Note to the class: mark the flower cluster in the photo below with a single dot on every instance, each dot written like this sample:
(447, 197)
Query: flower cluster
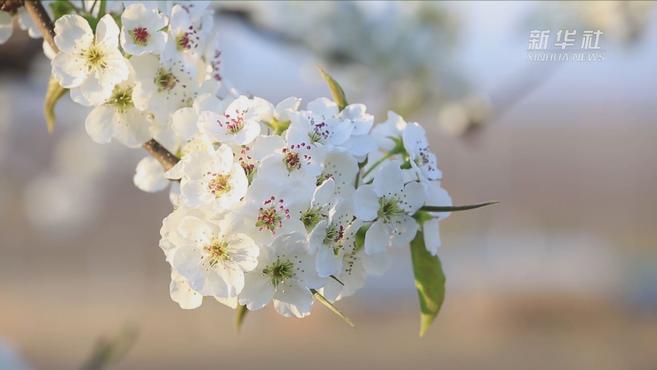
(276, 201)
(136, 73)
(272, 203)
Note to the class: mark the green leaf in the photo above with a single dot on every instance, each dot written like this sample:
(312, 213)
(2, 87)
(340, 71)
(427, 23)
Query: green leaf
(455, 208)
(102, 9)
(336, 90)
(321, 299)
(241, 314)
(359, 243)
(55, 91)
(110, 350)
(429, 281)
(422, 217)
(60, 8)
(93, 21)
(278, 126)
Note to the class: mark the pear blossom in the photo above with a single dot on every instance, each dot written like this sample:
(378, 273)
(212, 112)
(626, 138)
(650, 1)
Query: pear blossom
(324, 124)
(300, 162)
(211, 178)
(184, 34)
(239, 124)
(119, 118)
(285, 274)
(91, 65)
(149, 176)
(181, 293)
(141, 30)
(184, 121)
(390, 204)
(25, 22)
(269, 211)
(319, 124)
(209, 255)
(328, 239)
(189, 299)
(249, 156)
(342, 168)
(417, 147)
(356, 267)
(285, 107)
(322, 201)
(271, 203)
(163, 85)
(360, 142)
(387, 132)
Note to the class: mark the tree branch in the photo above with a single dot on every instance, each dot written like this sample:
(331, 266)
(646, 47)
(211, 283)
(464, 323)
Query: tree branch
(165, 157)
(43, 21)
(41, 18)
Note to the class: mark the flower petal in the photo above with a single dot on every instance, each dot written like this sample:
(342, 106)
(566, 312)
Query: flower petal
(72, 32)
(431, 231)
(99, 124)
(107, 32)
(149, 176)
(377, 238)
(69, 70)
(257, 292)
(366, 203)
(292, 300)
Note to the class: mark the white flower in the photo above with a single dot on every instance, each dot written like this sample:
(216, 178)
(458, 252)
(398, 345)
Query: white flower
(285, 273)
(163, 85)
(196, 9)
(184, 121)
(209, 255)
(356, 266)
(342, 168)
(360, 142)
(297, 162)
(390, 204)
(249, 156)
(324, 198)
(270, 210)
(6, 26)
(386, 132)
(319, 124)
(285, 107)
(420, 156)
(141, 30)
(94, 65)
(149, 175)
(162, 6)
(212, 178)
(181, 293)
(324, 124)
(239, 123)
(436, 196)
(117, 117)
(26, 23)
(330, 237)
(184, 35)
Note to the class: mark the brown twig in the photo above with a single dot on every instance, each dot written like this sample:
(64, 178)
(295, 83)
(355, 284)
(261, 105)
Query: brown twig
(165, 157)
(43, 21)
(41, 18)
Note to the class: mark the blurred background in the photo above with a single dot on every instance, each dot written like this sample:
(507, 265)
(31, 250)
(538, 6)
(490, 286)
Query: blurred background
(562, 274)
